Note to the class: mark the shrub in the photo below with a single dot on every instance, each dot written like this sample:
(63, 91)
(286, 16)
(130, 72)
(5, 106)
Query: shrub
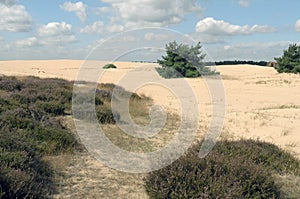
(108, 66)
(183, 61)
(10, 84)
(240, 169)
(30, 129)
(23, 173)
(54, 108)
(290, 60)
(106, 116)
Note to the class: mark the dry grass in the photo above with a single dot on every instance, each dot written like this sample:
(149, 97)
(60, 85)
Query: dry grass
(290, 184)
(82, 176)
(85, 177)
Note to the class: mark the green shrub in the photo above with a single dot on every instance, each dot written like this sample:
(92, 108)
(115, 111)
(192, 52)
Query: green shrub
(241, 169)
(108, 66)
(290, 60)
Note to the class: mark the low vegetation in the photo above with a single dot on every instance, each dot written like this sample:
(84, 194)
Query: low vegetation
(32, 127)
(234, 169)
(108, 66)
(32, 112)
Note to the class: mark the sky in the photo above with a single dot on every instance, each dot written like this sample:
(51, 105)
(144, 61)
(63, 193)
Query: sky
(227, 29)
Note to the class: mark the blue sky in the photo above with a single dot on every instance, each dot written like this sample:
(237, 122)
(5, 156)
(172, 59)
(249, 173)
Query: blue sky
(228, 29)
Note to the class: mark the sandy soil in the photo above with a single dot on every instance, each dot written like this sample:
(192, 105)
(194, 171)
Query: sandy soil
(260, 103)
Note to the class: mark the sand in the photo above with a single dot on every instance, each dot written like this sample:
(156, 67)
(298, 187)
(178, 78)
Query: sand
(260, 103)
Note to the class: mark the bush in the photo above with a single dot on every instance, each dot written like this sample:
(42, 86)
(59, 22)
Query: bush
(31, 128)
(183, 61)
(10, 84)
(54, 108)
(290, 60)
(23, 173)
(108, 66)
(241, 169)
(106, 116)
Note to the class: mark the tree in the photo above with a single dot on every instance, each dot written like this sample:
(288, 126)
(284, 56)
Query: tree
(182, 61)
(290, 61)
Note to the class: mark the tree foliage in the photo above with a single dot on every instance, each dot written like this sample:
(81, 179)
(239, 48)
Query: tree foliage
(290, 61)
(182, 61)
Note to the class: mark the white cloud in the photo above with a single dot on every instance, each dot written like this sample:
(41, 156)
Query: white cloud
(98, 27)
(79, 8)
(115, 28)
(137, 13)
(28, 42)
(256, 51)
(207, 38)
(102, 10)
(150, 36)
(227, 47)
(56, 33)
(244, 3)
(14, 18)
(55, 28)
(8, 2)
(297, 26)
(219, 27)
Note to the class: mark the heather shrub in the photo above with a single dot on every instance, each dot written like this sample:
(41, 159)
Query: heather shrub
(31, 127)
(23, 173)
(234, 169)
(10, 84)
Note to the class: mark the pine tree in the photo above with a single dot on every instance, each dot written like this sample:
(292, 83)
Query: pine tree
(182, 60)
(290, 61)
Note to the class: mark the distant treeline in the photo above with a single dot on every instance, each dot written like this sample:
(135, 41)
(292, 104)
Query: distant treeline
(236, 62)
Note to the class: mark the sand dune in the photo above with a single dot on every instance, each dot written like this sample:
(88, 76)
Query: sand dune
(260, 102)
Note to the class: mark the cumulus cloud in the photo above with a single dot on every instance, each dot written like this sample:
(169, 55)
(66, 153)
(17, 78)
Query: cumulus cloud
(244, 3)
(8, 2)
(150, 36)
(256, 51)
(98, 27)
(28, 42)
(219, 27)
(297, 26)
(79, 8)
(14, 18)
(56, 33)
(115, 28)
(54, 28)
(136, 13)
